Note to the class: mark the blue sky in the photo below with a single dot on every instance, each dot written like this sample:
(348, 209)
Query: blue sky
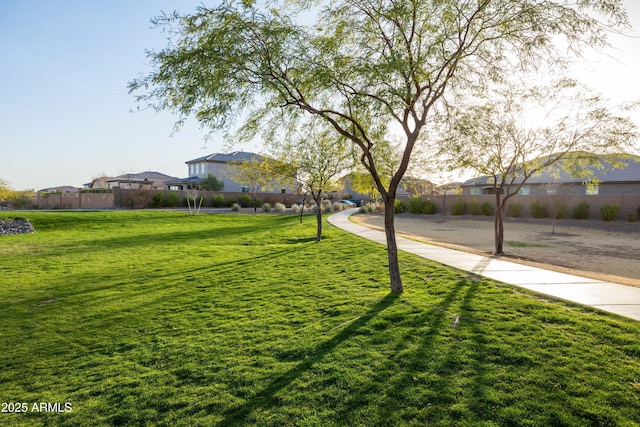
(65, 110)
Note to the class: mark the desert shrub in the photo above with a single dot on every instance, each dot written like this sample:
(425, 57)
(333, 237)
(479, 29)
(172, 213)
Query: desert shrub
(156, 201)
(266, 207)
(337, 207)
(366, 208)
(581, 211)
(474, 207)
(419, 206)
(631, 217)
(295, 208)
(244, 201)
(609, 212)
(279, 207)
(514, 210)
(217, 201)
(487, 209)
(399, 207)
(459, 207)
(167, 199)
(539, 210)
(235, 207)
(326, 205)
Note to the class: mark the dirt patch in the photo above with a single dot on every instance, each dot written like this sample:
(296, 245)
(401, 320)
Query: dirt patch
(595, 249)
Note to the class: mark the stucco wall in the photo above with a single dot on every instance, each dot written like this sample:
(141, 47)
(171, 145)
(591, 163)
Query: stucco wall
(74, 201)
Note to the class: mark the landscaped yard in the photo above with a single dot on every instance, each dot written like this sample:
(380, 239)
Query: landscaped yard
(156, 318)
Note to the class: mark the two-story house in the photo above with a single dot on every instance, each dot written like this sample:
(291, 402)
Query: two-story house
(225, 167)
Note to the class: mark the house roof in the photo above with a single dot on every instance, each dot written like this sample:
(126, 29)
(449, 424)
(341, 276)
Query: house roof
(236, 156)
(606, 174)
(179, 181)
(141, 176)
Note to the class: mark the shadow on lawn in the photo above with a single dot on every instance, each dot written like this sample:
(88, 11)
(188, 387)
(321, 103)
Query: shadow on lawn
(265, 398)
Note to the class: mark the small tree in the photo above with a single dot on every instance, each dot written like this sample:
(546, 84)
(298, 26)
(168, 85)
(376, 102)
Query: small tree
(558, 196)
(495, 136)
(311, 156)
(256, 173)
(211, 183)
(194, 201)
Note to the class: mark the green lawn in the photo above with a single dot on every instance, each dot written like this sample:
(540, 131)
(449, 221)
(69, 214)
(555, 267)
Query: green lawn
(156, 318)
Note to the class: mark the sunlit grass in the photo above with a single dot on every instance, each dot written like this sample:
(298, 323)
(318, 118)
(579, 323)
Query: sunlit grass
(155, 318)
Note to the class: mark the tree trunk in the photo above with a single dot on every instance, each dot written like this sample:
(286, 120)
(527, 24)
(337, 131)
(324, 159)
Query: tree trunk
(304, 200)
(392, 246)
(498, 225)
(319, 217)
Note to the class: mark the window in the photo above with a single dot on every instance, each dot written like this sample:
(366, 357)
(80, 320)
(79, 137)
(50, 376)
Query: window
(283, 190)
(476, 190)
(592, 189)
(245, 189)
(525, 190)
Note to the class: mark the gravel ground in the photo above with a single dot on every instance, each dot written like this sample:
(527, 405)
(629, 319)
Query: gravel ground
(603, 250)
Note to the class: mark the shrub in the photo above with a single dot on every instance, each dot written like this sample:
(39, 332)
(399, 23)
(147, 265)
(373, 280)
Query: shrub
(419, 206)
(474, 207)
(279, 207)
(217, 201)
(399, 207)
(514, 210)
(168, 199)
(430, 207)
(459, 207)
(245, 201)
(295, 208)
(631, 217)
(609, 212)
(366, 208)
(326, 206)
(539, 210)
(581, 211)
(638, 211)
(235, 207)
(337, 207)
(487, 209)
(266, 207)
(156, 202)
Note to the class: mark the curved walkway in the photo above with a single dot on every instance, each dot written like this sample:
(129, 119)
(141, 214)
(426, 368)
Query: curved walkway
(611, 297)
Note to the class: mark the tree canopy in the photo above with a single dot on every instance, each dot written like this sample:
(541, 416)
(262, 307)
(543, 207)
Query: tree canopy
(373, 70)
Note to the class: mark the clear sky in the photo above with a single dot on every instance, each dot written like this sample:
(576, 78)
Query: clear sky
(65, 113)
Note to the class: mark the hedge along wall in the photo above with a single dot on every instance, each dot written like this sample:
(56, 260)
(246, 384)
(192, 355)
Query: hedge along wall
(628, 203)
(127, 199)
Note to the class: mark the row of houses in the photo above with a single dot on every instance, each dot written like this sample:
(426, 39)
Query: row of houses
(607, 180)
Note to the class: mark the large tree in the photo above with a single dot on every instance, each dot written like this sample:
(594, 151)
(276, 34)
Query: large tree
(371, 69)
(516, 132)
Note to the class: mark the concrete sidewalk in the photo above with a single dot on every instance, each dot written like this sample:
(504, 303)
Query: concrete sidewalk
(611, 297)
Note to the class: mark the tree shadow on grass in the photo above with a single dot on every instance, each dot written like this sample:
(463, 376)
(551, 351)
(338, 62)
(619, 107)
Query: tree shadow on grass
(264, 399)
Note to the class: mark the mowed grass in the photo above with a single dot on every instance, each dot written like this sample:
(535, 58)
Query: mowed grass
(157, 318)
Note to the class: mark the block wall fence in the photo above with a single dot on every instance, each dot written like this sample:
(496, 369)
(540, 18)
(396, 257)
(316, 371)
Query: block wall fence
(122, 199)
